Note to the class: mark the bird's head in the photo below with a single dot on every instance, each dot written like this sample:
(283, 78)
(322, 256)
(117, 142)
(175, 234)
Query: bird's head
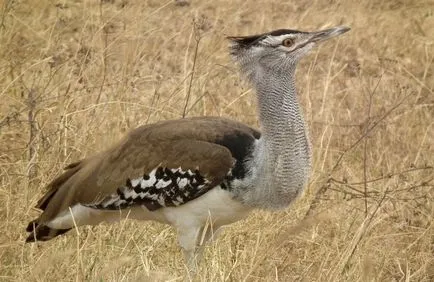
(278, 50)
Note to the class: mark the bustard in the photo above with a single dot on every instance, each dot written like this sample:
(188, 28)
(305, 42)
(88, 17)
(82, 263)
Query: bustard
(193, 171)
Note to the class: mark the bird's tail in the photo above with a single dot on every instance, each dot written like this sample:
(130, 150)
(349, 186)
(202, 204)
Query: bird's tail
(40, 232)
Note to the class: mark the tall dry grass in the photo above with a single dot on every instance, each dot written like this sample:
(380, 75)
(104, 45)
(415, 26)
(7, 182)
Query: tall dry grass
(76, 75)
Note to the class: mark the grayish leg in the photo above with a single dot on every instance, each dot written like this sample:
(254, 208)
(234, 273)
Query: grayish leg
(188, 242)
(193, 242)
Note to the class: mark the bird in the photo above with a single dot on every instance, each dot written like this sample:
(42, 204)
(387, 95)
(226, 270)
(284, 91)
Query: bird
(197, 172)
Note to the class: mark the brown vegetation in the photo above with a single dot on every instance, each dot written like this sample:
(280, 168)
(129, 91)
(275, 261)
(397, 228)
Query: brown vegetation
(76, 75)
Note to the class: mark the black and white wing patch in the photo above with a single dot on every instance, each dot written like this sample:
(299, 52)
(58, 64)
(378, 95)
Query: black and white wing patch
(162, 187)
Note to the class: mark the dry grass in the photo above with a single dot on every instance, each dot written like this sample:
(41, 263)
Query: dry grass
(76, 75)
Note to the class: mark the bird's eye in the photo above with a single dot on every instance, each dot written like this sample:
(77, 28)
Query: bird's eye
(288, 42)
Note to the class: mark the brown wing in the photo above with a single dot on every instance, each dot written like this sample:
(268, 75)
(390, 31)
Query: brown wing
(190, 169)
(188, 144)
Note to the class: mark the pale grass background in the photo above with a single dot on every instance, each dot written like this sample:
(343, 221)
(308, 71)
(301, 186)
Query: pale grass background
(77, 75)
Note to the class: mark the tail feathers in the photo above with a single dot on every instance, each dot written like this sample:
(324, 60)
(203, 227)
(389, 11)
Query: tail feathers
(32, 225)
(42, 232)
(55, 185)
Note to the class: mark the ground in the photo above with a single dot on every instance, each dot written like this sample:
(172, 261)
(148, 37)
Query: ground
(77, 75)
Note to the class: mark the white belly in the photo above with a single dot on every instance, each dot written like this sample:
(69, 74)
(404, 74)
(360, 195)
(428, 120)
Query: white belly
(216, 206)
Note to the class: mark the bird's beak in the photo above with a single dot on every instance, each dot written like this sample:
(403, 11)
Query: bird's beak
(328, 33)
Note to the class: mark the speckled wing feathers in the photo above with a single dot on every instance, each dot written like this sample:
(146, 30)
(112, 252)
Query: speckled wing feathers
(162, 187)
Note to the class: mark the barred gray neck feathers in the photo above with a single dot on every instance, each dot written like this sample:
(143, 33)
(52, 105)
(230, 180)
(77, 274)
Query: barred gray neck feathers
(282, 158)
(246, 60)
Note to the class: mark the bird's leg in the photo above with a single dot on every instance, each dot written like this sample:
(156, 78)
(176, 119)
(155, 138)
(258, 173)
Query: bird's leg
(193, 244)
(188, 240)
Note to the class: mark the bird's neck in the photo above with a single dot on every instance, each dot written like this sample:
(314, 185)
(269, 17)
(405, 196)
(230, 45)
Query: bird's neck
(282, 156)
(280, 114)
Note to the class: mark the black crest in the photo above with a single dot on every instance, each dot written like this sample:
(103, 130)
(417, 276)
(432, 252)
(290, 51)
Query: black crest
(244, 41)
(247, 41)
